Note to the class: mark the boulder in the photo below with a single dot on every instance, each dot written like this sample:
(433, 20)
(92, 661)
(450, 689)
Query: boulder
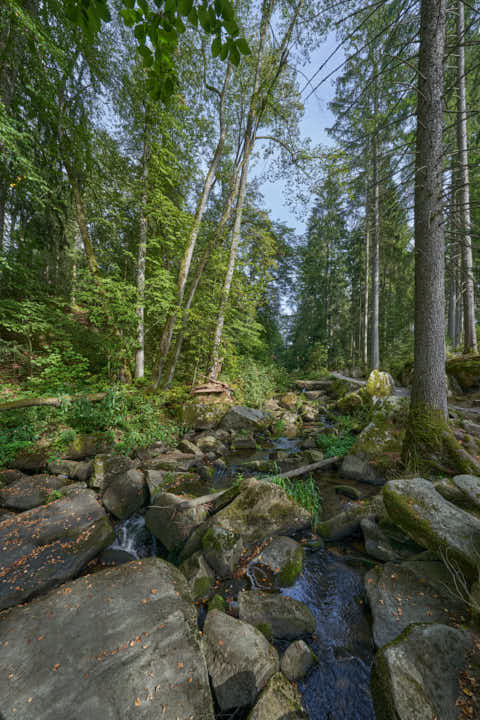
(309, 413)
(385, 542)
(287, 424)
(175, 461)
(8, 476)
(356, 467)
(470, 486)
(262, 509)
(48, 545)
(188, 447)
(203, 415)
(280, 700)
(122, 642)
(199, 574)
(245, 418)
(347, 522)
(169, 523)
(243, 442)
(380, 384)
(276, 615)
(126, 494)
(417, 592)
(348, 491)
(210, 443)
(30, 491)
(155, 479)
(290, 401)
(434, 523)
(281, 560)
(222, 549)
(85, 446)
(32, 461)
(79, 471)
(240, 660)
(106, 468)
(297, 661)
(416, 677)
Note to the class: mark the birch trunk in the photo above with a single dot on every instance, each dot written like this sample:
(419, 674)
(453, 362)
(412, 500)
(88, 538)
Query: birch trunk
(469, 333)
(166, 338)
(142, 258)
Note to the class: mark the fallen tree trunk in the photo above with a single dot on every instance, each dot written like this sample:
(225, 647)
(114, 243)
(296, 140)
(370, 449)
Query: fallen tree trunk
(52, 401)
(309, 468)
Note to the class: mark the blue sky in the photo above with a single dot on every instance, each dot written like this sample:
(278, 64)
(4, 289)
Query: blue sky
(317, 118)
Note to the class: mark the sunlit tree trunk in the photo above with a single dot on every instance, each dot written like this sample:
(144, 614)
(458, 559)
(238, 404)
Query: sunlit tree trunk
(142, 257)
(469, 334)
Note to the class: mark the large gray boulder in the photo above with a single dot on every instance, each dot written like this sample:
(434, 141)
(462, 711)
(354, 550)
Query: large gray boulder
(240, 660)
(278, 616)
(470, 486)
(434, 523)
(169, 523)
(415, 592)
(280, 700)
(356, 467)
(385, 542)
(126, 494)
(262, 509)
(48, 545)
(245, 418)
(121, 643)
(79, 471)
(106, 468)
(222, 549)
(416, 677)
(175, 461)
(30, 491)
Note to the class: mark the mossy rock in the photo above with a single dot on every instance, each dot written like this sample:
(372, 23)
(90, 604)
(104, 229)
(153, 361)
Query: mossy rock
(281, 562)
(217, 603)
(203, 415)
(199, 575)
(278, 701)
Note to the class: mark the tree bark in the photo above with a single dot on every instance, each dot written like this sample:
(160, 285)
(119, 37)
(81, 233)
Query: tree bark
(142, 256)
(469, 334)
(367, 280)
(429, 388)
(167, 334)
(374, 332)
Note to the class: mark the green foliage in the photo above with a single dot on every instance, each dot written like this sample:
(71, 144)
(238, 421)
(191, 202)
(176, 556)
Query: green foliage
(254, 382)
(304, 492)
(128, 419)
(333, 444)
(52, 496)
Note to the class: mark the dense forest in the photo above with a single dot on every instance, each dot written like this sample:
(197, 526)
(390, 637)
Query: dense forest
(184, 376)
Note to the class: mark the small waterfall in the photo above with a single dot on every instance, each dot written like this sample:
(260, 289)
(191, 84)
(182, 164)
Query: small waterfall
(133, 540)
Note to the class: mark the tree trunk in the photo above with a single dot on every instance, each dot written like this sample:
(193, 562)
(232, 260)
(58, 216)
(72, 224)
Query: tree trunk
(374, 334)
(142, 257)
(469, 335)
(198, 275)
(452, 310)
(166, 338)
(428, 408)
(367, 282)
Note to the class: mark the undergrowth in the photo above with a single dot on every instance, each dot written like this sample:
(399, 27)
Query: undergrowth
(304, 492)
(128, 419)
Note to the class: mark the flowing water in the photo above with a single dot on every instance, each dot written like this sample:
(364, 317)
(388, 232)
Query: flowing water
(338, 687)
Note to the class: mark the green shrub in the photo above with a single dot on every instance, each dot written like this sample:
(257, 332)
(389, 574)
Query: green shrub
(304, 492)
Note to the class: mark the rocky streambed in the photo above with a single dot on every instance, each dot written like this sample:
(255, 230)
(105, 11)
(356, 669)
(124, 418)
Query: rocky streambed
(166, 585)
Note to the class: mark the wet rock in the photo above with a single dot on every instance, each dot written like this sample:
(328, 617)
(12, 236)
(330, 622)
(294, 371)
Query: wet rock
(30, 491)
(415, 592)
(222, 549)
(283, 559)
(417, 676)
(276, 615)
(79, 471)
(347, 522)
(245, 418)
(106, 468)
(128, 647)
(262, 510)
(199, 574)
(126, 494)
(297, 661)
(348, 491)
(48, 545)
(169, 523)
(431, 521)
(385, 542)
(280, 700)
(240, 661)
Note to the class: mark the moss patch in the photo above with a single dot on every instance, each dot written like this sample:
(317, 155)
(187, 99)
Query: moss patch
(292, 569)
